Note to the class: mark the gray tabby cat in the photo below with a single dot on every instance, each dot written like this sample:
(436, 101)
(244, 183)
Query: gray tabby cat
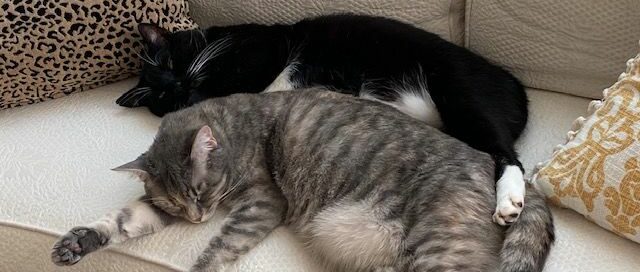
(367, 188)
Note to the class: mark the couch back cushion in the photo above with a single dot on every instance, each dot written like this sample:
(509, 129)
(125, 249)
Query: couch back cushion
(572, 46)
(443, 17)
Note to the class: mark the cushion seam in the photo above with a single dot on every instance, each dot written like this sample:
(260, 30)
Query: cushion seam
(54, 234)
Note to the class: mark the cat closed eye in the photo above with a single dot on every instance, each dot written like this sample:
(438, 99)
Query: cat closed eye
(195, 83)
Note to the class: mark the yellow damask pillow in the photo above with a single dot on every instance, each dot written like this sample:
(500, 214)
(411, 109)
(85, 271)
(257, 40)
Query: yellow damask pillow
(597, 173)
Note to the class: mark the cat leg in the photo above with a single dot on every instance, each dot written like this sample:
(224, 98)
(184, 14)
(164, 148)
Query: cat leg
(491, 134)
(136, 219)
(363, 235)
(510, 191)
(252, 217)
(509, 173)
(283, 81)
(471, 124)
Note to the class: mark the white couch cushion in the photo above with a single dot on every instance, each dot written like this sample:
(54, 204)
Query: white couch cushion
(56, 156)
(572, 46)
(443, 17)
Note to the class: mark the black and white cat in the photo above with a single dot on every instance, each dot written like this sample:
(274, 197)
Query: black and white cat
(414, 71)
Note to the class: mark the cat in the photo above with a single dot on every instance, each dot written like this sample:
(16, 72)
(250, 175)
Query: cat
(415, 71)
(363, 185)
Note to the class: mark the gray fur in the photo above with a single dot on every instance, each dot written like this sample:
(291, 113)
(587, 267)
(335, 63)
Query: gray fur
(367, 187)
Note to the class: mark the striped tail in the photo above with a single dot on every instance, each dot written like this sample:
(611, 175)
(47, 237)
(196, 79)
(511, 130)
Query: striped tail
(527, 242)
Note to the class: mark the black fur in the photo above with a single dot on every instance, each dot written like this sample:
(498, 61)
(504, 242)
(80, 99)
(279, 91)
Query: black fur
(479, 103)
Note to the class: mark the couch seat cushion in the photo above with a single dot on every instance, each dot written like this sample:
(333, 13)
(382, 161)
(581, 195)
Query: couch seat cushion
(56, 156)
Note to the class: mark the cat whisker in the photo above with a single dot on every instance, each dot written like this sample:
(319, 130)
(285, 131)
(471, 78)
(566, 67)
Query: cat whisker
(226, 193)
(126, 97)
(141, 89)
(240, 181)
(156, 60)
(144, 56)
(191, 39)
(157, 199)
(146, 59)
(135, 92)
(202, 76)
(204, 37)
(140, 98)
(210, 52)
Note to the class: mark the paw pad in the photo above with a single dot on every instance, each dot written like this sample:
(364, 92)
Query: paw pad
(508, 211)
(74, 245)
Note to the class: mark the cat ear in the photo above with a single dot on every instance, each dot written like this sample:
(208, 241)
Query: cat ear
(202, 145)
(137, 167)
(153, 34)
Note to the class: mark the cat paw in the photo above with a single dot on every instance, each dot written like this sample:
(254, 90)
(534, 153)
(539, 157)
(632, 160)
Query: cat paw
(508, 210)
(510, 190)
(75, 244)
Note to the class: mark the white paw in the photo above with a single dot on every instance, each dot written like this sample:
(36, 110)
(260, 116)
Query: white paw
(508, 210)
(510, 191)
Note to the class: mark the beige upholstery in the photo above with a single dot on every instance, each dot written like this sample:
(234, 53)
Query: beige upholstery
(56, 158)
(444, 17)
(571, 46)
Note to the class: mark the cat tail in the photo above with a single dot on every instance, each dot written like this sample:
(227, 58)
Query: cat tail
(527, 242)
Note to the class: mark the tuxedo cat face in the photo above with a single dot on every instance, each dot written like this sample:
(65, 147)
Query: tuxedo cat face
(173, 66)
(185, 177)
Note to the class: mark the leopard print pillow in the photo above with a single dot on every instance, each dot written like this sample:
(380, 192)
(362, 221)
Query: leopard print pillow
(49, 49)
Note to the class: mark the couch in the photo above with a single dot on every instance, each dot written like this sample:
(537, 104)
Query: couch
(55, 156)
